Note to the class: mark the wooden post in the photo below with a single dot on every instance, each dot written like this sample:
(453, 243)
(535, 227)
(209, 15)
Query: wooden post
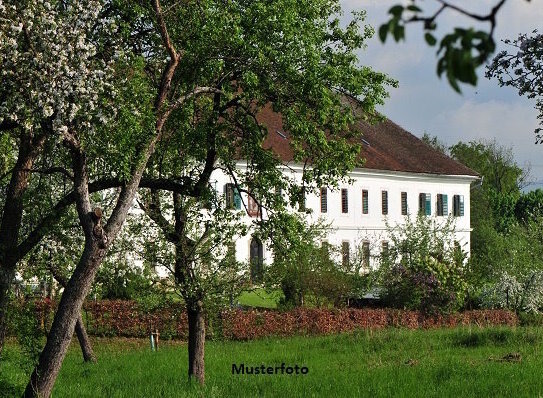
(156, 336)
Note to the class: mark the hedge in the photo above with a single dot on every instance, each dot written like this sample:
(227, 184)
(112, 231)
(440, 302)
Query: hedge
(126, 318)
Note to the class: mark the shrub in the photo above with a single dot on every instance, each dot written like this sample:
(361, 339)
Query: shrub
(518, 293)
(423, 270)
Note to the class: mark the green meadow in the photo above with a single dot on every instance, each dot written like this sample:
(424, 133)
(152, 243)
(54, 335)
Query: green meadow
(463, 362)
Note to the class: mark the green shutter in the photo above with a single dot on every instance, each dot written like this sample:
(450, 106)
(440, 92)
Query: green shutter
(428, 204)
(445, 205)
(237, 199)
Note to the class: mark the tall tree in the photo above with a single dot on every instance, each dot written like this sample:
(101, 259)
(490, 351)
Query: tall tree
(46, 80)
(282, 58)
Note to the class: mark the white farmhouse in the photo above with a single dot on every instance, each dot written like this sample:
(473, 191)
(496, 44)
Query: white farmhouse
(401, 176)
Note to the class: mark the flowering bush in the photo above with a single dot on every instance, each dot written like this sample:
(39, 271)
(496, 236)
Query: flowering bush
(518, 293)
(423, 269)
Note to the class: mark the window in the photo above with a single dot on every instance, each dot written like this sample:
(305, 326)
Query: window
(256, 259)
(458, 205)
(442, 206)
(425, 204)
(384, 249)
(344, 201)
(345, 253)
(404, 203)
(232, 197)
(384, 202)
(301, 201)
(366, 254)
(365, 204)
(324, 200)
(253, 209)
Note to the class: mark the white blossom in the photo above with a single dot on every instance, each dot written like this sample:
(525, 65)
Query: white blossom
(48, 65)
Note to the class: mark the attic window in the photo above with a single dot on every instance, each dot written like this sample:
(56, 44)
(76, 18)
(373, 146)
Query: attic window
(281, 134)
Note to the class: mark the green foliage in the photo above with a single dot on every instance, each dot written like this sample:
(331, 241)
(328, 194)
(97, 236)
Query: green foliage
(305, 270)
(464, 50)
(495, 163)
(118, 279)
(435, 143)
(529, 206)
(423, 269)
(28, 331)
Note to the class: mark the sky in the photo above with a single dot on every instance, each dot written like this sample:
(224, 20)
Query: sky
(425, 103)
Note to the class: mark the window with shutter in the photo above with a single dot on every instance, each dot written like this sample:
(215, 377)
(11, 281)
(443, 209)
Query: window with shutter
(425, 204)
(366, 254)
(256, 260)
(384, 202)
(404, 203)
(384, 249)
(365, 200)
(439, 204)
(301, 202)
(324, 200)
(458, 205)
(344, 200)
(232, 197)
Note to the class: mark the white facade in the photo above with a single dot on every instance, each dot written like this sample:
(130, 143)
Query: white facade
(354, 226)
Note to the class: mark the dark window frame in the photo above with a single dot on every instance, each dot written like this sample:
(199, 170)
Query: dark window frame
(344, 201)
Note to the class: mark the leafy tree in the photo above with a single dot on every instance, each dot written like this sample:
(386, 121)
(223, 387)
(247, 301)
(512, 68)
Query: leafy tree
(47, 80)
(279, 57)
(435, 143)
(522, 70)
(461, 51)
(499, 189)
(529, 206)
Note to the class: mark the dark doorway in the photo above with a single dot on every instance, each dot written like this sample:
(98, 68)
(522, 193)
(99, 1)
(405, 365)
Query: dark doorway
(256, 259)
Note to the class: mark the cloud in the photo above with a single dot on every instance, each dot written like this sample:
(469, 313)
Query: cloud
(511, 124)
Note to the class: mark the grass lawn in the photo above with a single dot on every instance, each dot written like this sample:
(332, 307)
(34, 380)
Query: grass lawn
(260, 298)
(439, 363)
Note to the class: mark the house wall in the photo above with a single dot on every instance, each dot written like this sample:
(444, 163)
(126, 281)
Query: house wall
(354, 226)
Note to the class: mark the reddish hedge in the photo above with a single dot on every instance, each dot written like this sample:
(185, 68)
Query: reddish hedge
(247, 325)
(126, 318)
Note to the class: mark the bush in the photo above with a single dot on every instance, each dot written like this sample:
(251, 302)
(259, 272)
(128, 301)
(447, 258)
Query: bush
(519, 293)
(423, 270)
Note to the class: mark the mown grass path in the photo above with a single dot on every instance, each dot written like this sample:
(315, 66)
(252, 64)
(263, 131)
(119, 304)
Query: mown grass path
(463, 362)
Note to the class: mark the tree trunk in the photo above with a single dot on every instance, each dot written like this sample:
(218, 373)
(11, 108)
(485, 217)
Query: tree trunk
(80, 331)
(46, 371)
(10, 223)
(6, 278)
(197, 337)
(84, 342)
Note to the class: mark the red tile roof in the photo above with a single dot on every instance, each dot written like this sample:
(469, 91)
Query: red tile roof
(385, 146)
